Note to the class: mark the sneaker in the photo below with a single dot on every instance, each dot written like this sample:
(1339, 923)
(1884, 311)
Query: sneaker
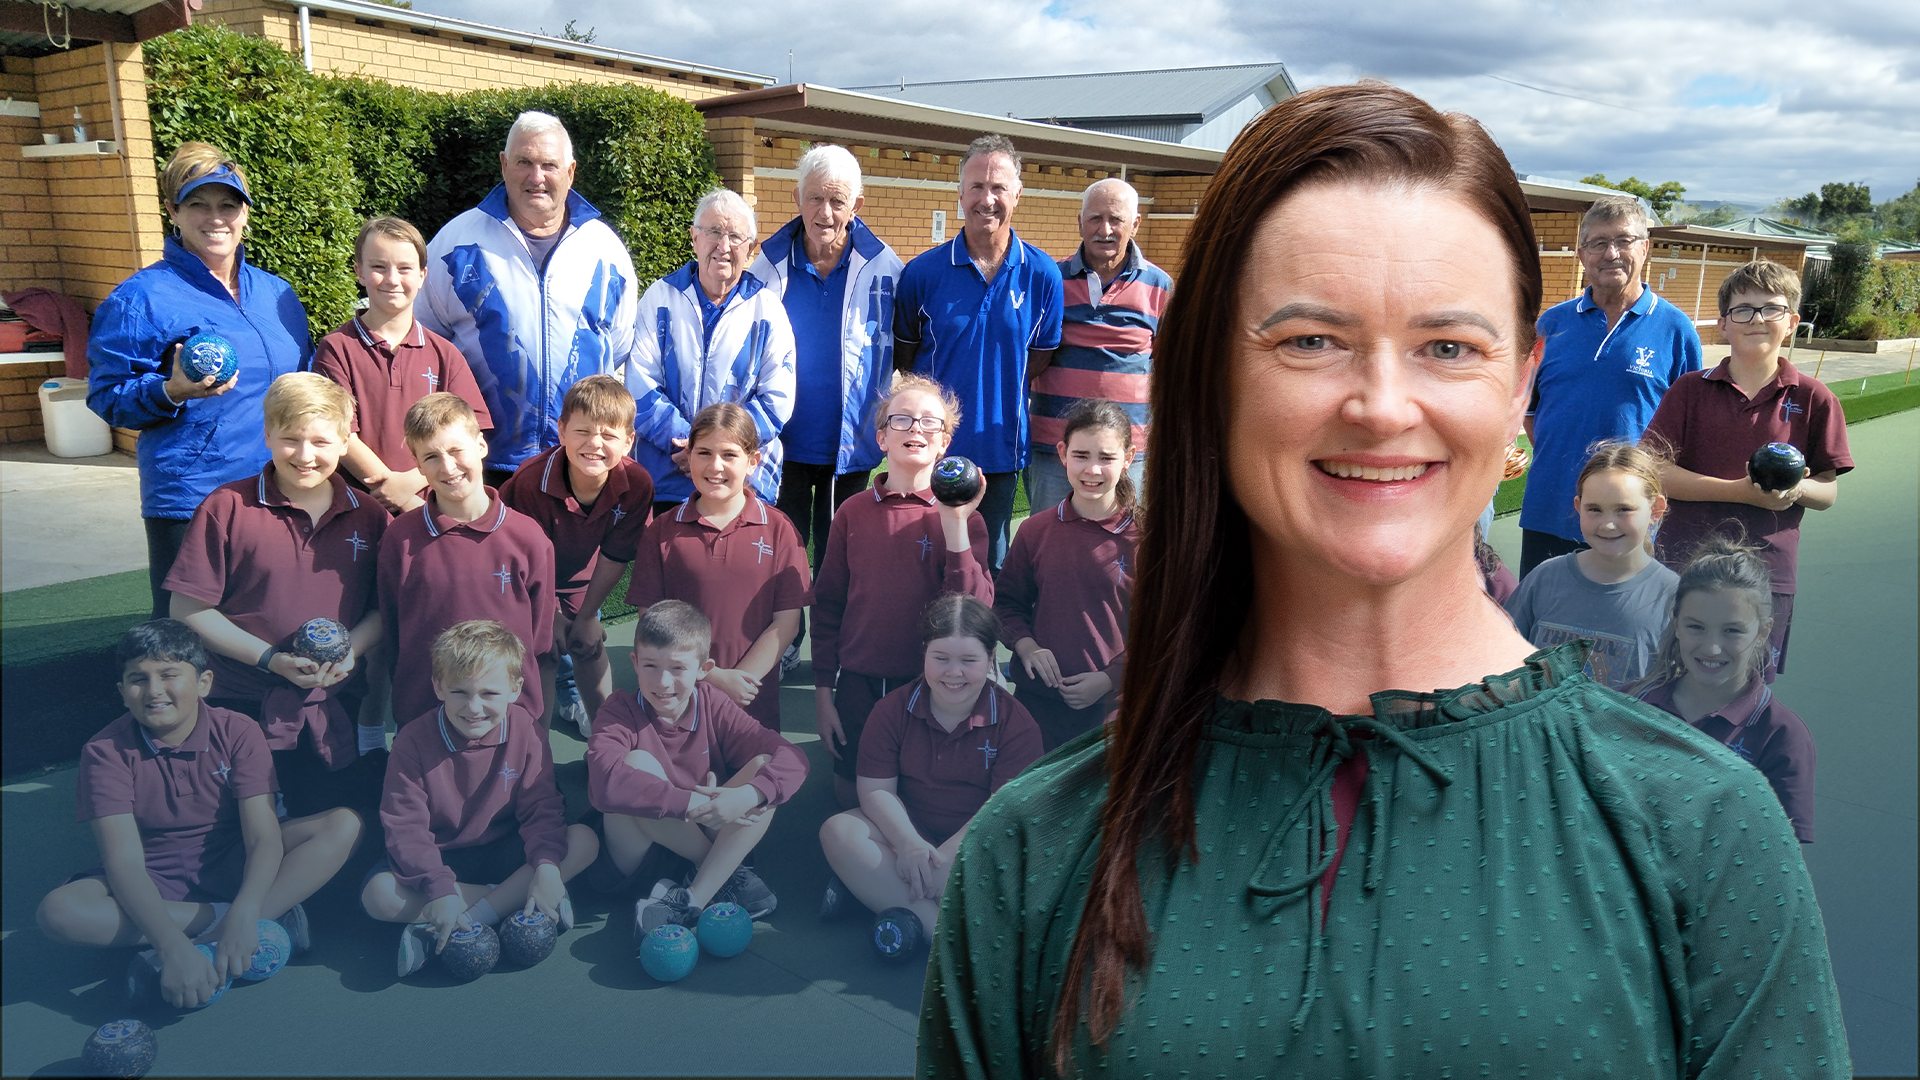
(566, 914)
(416, 944)
(299, 931)
(746, 889)
(789, 660)
(143, 978)
(575, 712)
(836, 900)
(673, 905)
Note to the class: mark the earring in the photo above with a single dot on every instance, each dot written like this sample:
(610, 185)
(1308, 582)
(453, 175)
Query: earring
(1517, 461)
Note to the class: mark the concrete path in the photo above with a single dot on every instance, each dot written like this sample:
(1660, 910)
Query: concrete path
(63, 519)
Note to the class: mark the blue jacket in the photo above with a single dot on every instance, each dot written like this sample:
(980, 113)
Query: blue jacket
(866, 331)
(187, 450)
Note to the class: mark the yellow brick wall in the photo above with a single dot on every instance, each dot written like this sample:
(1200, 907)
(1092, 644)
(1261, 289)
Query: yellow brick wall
(20, 397)
(1676, 273)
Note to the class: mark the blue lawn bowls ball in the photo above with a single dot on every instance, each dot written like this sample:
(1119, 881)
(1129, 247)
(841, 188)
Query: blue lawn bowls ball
(209, 354)
(956, 481)
(527, 938)
(1777, 466)
(212, 956)
(669, 952)
(322, 641)
(471, 953)
(725, 929)
(120, 1048)
(898, 934)
(271, 954)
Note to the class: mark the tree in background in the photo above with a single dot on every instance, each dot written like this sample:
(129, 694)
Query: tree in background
(1660, 198)
(1830, 208)
(1900, 216)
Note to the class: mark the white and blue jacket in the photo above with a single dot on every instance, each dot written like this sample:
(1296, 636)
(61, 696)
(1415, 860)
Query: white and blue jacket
(529, 334)
(866, 331)
(674, 373)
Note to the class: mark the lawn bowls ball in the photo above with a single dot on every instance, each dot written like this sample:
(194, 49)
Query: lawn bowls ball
(528, 938)
(120, 1048)
(322, 641)
(725, 929)
(143, 979)
(1777, 466)
(669, 952)
(271, 954)
(209, 354)
(956, 481)
(897, 933)
(471, 953)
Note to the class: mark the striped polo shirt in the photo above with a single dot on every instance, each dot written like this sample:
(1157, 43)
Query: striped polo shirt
(1106, 344)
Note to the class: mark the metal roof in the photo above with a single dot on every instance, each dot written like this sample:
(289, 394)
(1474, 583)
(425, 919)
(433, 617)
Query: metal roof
(1721, 236)
(35, 29)
(1766, 226)
(1186, 95)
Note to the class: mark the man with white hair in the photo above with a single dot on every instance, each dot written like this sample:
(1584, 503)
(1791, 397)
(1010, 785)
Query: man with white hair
(709, 332)
(1112, 300)
(534, 289)
(836, 280)
(1608, 356)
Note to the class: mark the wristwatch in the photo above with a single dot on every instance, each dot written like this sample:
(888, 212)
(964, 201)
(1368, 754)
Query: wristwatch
(265, 663)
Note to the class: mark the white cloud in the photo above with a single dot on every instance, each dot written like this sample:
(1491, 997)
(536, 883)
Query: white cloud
(1750, 101)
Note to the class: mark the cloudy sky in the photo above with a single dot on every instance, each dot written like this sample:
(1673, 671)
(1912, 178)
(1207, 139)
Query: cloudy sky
(1746, 101)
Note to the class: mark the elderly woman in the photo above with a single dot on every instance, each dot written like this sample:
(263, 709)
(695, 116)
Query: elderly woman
(1286, 859)
(194, 435)
(710, 332)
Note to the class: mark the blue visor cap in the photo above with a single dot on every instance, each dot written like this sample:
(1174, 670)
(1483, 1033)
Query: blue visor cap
(222, 175)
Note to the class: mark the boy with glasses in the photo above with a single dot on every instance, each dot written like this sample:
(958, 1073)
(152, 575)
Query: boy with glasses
(1710, 423)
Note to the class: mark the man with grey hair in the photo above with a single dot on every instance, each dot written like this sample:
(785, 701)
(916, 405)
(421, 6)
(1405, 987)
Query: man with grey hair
(1113, 298)
(534, 289)
(985, 306)
(1607, 356)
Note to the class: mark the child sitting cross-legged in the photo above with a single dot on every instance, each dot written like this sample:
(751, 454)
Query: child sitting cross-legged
(476, 827)
(654, 767)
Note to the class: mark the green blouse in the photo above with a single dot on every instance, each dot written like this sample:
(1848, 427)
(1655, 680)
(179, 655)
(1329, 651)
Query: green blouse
(1544, 878)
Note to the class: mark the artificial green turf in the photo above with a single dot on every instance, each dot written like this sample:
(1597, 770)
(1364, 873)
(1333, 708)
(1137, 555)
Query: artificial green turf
(49, 621)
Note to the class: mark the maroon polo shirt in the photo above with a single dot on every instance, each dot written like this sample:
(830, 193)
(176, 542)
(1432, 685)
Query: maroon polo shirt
(186, 798)
(1066, 584)
(1770, 736)
(444, 791)
(268, 567)
(1712, 429)
(715, 736)
(739, 576)
(540, 489)
(385, 380)
(946, 776)
(886, 560)
(435, 572)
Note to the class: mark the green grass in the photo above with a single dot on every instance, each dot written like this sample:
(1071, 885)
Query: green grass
(1876, 395)
(75, 616)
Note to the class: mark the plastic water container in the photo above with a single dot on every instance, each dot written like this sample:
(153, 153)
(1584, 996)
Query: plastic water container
(73, 430)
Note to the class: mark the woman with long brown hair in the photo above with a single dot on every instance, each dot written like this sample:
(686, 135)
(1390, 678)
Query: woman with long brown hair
(1281, 859)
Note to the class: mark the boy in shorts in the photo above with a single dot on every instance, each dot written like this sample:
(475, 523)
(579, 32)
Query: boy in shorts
(264, 555)
(180, 798)
(593, 501)
(463, 554)
(653, 768)
(475, 825)
(387, 360)
(1711, 422)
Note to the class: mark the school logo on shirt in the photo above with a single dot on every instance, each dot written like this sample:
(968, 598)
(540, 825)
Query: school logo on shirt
(1642, 361)
(765, 549)
(618, 513)
(505, 575)
(1018, 298)
(1790, 408)
(926, 545)
(359, 545)
(988, 752)
(507, 776)
(1120, 566)
(433, 380)
(221, 774)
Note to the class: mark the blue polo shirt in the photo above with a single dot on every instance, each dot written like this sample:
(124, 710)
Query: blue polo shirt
(974, 336)
(815, 308)
(1595, 384)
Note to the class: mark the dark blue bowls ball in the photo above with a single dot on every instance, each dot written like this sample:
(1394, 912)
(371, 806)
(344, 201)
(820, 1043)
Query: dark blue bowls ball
(322, 641)
(472, 953)
(120, 1048)
(956, 481)
(1777, 466)
(725, 929)
(272, 953)
(209, 354)
(526, 939)
(669, 952)
(898, 934)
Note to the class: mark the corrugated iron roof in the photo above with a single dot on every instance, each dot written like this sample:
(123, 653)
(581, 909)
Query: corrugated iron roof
(1188, 95)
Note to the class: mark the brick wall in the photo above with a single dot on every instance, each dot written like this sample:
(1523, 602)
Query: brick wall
(1676, 272)
(20, 397)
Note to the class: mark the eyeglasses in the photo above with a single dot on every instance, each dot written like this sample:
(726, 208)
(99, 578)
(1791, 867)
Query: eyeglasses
(903, 422)
(1745, 313)
(722, 236)
(1603, 245)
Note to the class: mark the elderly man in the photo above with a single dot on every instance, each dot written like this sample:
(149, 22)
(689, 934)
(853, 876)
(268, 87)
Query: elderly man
(836, 280)
(986, 305)
(537, 292)
(1113, 300)
(710, 331)
(1609, 355)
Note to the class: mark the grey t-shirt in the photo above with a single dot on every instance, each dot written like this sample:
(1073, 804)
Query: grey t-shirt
(1557, 603)
(542, 246)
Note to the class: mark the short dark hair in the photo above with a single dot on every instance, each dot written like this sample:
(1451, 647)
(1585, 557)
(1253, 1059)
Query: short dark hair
(1765, 277)
(161, 639)
(674, 624)
(992, 144)
(960, 615)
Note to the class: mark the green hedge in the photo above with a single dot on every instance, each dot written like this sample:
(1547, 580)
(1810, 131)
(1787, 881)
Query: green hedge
(324, 152)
